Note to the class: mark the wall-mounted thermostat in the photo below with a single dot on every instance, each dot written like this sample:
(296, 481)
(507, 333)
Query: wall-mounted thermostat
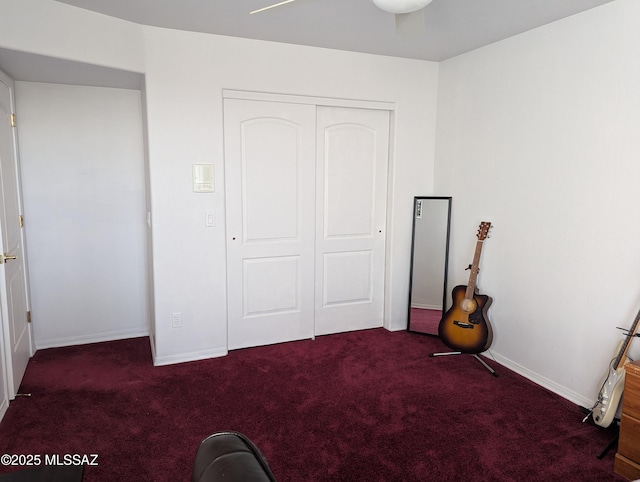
(203, 178)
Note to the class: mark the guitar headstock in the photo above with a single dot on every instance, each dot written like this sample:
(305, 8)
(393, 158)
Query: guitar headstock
(483, 230)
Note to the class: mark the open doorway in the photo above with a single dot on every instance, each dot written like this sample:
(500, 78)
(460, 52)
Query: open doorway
(84, 177)
(82, 157)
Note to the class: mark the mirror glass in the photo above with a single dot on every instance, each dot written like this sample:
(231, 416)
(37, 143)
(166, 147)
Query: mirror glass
(429, 262)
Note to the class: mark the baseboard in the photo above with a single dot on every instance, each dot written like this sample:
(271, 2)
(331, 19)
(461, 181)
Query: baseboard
(187, 357)
(4, 406)
(426, 307)
(91, 338)
(540, 380)
(397, 327)
(152, 343)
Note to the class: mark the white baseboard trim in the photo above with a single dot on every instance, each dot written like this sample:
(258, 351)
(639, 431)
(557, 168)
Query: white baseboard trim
(538, 379)
(187, 357)
(152, 343)
(91, 338)
(397, 327)
(3, 408)
(426, 307)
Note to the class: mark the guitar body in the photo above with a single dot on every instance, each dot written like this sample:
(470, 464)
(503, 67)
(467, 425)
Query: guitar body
(610, 394)
(465, 326)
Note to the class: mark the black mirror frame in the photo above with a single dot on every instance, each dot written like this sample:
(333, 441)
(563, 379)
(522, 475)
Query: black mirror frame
(446, 258)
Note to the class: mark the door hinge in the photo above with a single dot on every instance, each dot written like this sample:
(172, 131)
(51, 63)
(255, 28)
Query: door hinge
(13, 120)
(29, 316)
(21, 218)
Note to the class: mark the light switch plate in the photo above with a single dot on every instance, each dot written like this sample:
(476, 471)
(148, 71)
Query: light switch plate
(210, 219)
(203, 178)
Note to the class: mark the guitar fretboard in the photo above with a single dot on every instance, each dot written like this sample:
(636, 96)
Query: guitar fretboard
(473, 276)
(619, 363)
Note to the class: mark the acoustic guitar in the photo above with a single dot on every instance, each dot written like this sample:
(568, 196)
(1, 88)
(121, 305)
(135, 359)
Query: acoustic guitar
(604, 411)
(465, 326)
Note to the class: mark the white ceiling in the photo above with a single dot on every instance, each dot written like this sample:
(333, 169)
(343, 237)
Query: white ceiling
(452, 26)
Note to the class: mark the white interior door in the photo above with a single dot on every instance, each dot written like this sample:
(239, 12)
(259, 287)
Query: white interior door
(13, 296)
(269, 172)
(351, 186)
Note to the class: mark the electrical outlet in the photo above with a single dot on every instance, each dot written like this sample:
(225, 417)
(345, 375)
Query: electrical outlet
(176, 320)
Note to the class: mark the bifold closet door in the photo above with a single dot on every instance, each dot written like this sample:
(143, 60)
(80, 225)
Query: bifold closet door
(351, 198)
(270, 185)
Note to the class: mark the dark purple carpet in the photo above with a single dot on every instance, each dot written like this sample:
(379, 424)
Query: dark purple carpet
(362, 406)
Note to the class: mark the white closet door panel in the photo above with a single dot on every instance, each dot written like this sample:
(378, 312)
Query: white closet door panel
(261, 295)
(270, 147)
(348, 278)
(351, 182)
(269, 164)
(349, 185)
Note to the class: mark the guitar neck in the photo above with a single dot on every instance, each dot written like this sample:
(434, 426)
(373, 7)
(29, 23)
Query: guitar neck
(622, 356)
(473, 276)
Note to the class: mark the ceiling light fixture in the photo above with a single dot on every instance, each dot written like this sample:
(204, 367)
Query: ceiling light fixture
(401, 6)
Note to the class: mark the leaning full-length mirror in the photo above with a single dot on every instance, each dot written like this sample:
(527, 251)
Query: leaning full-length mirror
(429, 262)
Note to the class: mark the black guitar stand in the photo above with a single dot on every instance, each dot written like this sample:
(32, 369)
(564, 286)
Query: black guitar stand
(491, 370)
(609, 446)
(613, 442)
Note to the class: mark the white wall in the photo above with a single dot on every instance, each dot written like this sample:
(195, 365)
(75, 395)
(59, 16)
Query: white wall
(184, 95)
(4, 388)
(84, 204)
(539, 134)
(184, 76)
(54, 29)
